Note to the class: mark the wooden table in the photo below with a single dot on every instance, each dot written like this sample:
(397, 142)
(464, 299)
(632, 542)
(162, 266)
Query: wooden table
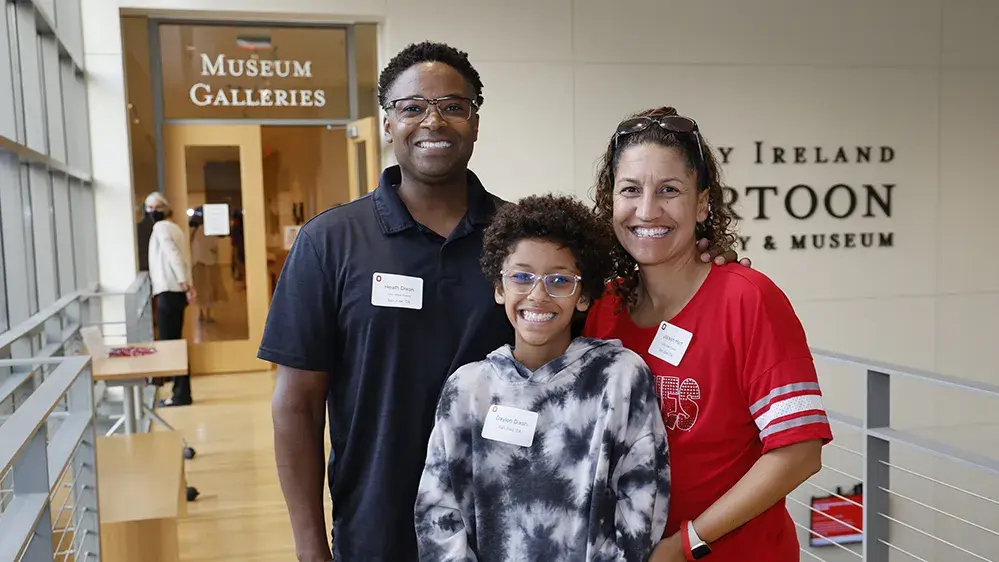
(170, 360)
(141, 490)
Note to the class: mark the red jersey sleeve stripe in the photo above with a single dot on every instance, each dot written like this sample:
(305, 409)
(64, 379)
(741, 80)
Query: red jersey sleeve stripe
(787, 397)
(794, 424)
(781, 391)
(790, 406)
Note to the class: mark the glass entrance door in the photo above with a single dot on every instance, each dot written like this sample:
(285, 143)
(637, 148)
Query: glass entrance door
(214, 181)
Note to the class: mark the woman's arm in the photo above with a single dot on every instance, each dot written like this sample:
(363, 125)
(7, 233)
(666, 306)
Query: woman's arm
(776, 474)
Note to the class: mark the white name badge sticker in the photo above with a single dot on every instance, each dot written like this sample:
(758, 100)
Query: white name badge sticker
(510, 425)
(396, 291)
(670, 343)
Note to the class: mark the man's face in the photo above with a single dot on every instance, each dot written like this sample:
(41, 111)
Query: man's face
(435, 144)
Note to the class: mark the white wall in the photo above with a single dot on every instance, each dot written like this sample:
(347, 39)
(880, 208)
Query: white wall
(920, 76)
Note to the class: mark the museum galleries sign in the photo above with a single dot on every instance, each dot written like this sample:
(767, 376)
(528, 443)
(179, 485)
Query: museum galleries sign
(851, 203)
(203, 95)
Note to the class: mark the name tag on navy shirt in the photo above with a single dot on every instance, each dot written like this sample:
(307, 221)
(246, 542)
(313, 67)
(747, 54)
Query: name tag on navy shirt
(510, 425)
(396, 291)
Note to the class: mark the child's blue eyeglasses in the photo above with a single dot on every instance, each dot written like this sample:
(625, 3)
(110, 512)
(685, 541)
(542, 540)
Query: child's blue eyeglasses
(558, 285)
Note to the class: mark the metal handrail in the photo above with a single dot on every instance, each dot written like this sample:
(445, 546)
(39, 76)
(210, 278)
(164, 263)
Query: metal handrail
(38, 462)
(138, 314)
(908, 372)
(37, 452)
(881, 516)
(36, 322)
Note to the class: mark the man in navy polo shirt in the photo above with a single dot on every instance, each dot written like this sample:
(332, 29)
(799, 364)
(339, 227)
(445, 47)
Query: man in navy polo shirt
(379, 302)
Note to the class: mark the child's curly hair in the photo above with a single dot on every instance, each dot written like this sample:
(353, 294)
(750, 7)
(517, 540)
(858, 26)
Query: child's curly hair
(561, 220)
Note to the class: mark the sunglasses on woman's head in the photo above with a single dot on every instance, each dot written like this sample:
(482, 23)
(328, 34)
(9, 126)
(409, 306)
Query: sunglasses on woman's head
(673, 124)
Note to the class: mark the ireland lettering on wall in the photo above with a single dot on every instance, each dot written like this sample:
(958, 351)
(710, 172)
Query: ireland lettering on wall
(806, 201)
(203, 94)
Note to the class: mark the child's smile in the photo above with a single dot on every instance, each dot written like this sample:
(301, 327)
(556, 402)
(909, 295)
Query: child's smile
(535, 316)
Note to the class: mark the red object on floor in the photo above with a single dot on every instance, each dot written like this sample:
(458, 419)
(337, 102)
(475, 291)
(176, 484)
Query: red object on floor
(130, 351)
(834, 518)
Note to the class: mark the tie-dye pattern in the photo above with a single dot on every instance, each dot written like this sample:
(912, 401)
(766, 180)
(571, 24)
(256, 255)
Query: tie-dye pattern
(593, 486)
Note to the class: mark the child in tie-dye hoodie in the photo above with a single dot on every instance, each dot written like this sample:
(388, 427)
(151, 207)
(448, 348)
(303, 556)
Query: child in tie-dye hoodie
(552, 449)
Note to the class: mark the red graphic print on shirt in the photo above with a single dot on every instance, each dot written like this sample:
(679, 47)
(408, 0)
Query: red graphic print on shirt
(678, 401)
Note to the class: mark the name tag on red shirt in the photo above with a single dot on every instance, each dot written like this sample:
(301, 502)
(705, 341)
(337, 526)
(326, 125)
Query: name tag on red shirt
(670, 343)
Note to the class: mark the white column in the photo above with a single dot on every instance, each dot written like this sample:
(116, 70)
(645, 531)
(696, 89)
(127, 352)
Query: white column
(111, 156)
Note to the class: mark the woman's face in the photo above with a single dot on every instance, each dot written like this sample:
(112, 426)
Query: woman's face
(656, 204)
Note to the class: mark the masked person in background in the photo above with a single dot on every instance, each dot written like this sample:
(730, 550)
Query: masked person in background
(170, 273)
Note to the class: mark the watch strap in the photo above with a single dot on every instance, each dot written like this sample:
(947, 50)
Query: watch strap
(685, 540)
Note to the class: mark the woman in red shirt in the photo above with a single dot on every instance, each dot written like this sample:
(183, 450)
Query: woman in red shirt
(737, 386)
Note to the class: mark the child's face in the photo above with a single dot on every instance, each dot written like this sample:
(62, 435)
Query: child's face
(538, 317)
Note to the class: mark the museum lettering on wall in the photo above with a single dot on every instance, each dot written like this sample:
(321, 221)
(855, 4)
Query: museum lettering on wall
(204, 95)
(801, 202)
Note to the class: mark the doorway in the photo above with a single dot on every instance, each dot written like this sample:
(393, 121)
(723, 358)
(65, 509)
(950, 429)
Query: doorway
(247, 190)
(250, 129)
(215, 173)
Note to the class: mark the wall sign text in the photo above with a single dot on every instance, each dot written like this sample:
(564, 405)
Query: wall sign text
(203, 95)
(803, 201)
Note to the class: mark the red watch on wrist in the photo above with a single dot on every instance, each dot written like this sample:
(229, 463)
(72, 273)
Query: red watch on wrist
(693, 547)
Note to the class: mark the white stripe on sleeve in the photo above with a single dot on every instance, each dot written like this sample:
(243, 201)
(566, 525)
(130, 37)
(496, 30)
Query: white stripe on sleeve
(781, 391)
(790, 406)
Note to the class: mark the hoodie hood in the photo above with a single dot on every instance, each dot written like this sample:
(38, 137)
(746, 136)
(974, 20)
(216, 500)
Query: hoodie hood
(511, 370)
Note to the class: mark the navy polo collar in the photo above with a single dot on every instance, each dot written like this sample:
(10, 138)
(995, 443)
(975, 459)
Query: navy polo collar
(393, 216)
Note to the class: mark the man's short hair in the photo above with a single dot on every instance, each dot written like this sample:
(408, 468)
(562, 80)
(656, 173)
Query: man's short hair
(429, 52)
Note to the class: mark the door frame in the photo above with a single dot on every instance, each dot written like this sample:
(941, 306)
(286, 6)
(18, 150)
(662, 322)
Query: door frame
(363, 134)
(232, 355)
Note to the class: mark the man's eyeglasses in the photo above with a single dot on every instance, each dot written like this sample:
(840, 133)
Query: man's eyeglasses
(558, 285)
(673, 124)
(415, 109)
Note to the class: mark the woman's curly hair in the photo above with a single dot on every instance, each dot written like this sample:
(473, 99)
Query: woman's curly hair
(719, 228)
(559, 219)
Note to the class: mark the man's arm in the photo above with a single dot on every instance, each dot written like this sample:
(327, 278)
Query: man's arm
(302, 339)
(299, 412)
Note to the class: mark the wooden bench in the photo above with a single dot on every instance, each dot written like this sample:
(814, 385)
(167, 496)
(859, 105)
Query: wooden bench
(141, 491)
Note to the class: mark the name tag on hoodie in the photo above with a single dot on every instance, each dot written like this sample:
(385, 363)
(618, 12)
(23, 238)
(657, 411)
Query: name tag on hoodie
(510, 425)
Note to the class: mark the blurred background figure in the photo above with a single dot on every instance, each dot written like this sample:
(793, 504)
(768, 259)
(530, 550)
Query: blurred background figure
(173, 285)
(238, 264)
(205, 270)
